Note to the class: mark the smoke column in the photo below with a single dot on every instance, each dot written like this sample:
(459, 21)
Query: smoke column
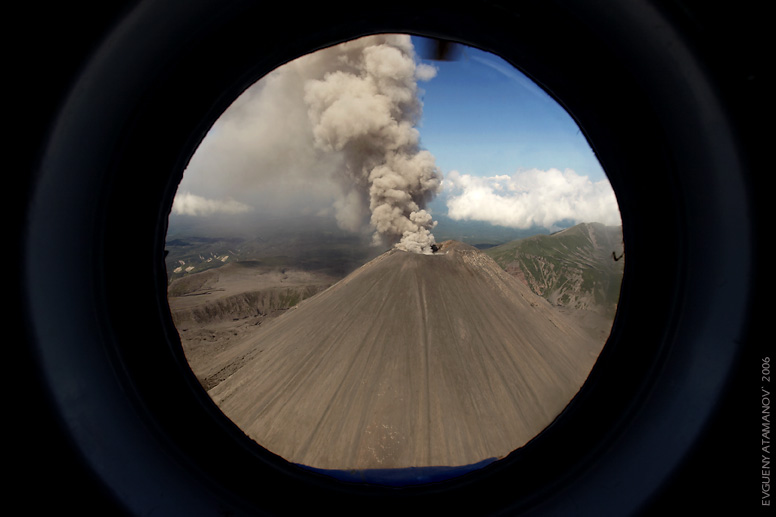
(364, 105)
(333, 132)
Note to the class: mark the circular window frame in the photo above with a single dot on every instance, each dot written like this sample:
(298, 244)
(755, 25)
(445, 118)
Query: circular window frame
(112, 360)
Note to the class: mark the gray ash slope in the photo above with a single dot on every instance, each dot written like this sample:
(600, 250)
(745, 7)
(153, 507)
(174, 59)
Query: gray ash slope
(412, 360)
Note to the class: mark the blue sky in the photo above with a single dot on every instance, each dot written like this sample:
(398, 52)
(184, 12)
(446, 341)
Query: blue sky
(481, 116)
(511, 155)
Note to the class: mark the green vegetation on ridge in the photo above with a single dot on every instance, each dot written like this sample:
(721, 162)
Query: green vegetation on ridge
(573, 268)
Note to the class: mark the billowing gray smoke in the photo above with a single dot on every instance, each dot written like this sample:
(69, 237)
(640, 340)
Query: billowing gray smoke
(365, 106)
(331, 133)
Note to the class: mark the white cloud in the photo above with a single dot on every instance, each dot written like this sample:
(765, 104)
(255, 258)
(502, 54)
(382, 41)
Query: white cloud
(531, 197)
(186, 203)
(425, 72)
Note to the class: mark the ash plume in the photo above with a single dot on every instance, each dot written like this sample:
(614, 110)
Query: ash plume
(331, 134)
(366, 108)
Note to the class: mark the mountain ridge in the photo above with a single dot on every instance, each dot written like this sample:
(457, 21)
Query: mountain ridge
(577, 268)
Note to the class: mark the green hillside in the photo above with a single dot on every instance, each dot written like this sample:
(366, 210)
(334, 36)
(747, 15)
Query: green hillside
(574, 268)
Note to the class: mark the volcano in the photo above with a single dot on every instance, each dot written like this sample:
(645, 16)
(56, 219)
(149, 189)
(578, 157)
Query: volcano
(412, 360)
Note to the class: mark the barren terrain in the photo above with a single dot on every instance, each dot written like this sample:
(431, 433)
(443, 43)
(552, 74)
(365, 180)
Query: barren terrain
(216, 309)
(412, 360)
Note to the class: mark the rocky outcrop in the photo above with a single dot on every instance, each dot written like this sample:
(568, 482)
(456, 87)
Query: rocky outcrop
(244, 305)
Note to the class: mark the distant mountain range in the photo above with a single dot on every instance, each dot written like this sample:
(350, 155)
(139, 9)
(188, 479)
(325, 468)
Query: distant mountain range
(481, 234)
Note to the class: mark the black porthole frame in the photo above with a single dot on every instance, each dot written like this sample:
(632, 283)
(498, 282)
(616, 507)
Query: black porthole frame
(109, 360)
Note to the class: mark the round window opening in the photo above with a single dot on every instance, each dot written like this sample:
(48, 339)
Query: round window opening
(393, 264)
